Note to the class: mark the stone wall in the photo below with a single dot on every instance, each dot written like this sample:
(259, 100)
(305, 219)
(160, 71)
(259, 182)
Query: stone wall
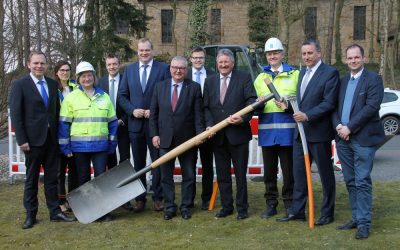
(234, 29)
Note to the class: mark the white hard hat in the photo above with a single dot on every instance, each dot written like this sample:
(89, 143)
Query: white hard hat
(273, 44)
(84, 66)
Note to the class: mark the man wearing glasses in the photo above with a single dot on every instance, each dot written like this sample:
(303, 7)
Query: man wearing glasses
(176, 116)
(199, 73)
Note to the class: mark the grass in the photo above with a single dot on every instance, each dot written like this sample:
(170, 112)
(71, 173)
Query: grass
(149, 230)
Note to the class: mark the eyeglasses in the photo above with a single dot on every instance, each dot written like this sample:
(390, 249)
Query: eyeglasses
(178, 68)
(197, 58)
(64, 70)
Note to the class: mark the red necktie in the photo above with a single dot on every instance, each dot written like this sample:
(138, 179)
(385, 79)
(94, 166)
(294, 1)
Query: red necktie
(174, 97)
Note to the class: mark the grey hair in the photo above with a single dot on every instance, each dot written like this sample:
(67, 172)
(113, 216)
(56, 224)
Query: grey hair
(226, 52)
(181, 59)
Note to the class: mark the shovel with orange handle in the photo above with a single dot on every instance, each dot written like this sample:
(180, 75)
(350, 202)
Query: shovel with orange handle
(295, 106)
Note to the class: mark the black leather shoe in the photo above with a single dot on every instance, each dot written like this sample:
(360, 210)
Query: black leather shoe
(29, 222)
(301, 217)
(139, 206)
(362, 233)
(242, 215)
(324, 221)
(223, 213)
(61, 217)
(348, 225)
(205, 205)
(269, 212)
(186, 215)
(127, 206)
(169, 215)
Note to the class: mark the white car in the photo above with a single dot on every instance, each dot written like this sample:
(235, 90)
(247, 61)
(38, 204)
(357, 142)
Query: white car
(390, 111)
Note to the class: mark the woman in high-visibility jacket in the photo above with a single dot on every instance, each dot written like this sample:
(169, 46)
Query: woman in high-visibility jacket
(276, 127)
(62, 73)
(88, 125)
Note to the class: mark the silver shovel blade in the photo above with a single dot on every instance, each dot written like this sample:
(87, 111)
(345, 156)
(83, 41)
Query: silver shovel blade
(101, 195)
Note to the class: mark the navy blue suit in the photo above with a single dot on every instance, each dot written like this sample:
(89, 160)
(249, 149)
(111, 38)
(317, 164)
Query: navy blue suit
(174, 128)
(37, 125)
(131, 97)
(318, 103)
(122, 136)
(206, 157)
(357, 154)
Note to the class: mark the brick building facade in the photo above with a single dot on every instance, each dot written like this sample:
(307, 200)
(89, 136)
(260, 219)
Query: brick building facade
(228, 21)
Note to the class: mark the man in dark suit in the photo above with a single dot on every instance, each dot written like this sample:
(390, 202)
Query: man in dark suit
(134, 96)
(358, 133)
(225, 94)
(110, 83)
(35, 107)
(316, 95)
(175, 117)
(198, 74)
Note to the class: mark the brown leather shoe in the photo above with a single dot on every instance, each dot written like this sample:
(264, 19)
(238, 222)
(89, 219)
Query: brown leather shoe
(158, 206)
(139, 206)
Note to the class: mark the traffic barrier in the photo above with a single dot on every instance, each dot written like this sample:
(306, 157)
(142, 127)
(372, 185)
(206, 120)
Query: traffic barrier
(255, 166)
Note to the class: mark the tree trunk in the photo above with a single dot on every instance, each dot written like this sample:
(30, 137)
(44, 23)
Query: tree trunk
(372, 33)
(329, 37)
(38, 25)
(62, 26)
(286, 16)
(174, 9)
(26, 31)
(3, 82)
(48, 32)
(384, 39)
(338, 43)
(20, 29)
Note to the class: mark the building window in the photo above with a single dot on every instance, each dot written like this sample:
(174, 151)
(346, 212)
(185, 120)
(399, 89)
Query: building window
(359, 22)
(121, 27)
(166, 26)
(215, 27)
(310, 21)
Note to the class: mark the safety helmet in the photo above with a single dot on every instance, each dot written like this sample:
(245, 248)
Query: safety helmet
(84, 66)
(273, 44)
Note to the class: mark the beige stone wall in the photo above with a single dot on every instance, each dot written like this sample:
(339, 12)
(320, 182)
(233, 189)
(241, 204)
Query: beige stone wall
(234, 20)
(234, 27)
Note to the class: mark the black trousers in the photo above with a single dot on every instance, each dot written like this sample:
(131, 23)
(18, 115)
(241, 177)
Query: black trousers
(271, 155)
(321, 153)
(47, 156)
(187, 162)
(207, 171)
(66, 162)
(83, 160)
(123, 148)
(140, 142)
(226, 155)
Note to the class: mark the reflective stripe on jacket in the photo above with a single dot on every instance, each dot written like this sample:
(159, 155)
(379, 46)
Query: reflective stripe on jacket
(87, 124)
(275, 126)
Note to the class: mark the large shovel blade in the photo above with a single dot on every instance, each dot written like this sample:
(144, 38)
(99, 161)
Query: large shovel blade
(101, 195)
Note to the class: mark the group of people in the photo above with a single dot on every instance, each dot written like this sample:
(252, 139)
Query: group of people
(345, 109)
(154, 107)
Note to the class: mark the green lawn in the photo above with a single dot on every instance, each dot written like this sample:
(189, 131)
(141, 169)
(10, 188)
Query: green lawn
(149, 230)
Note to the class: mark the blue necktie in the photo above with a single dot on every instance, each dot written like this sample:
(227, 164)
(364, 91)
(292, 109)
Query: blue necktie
(144, 77)
(112, 91)
(43, 93)
(198, 76)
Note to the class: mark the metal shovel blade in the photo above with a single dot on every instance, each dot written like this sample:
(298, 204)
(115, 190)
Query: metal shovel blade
(101, 195)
